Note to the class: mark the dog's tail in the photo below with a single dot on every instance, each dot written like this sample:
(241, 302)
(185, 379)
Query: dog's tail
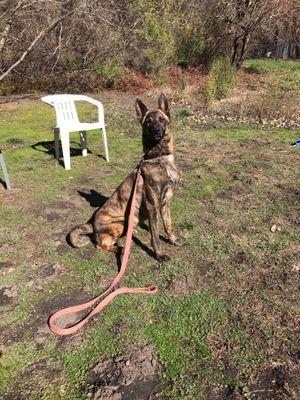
(81, 235)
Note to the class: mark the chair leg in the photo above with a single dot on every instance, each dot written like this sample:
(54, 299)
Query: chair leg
(105, 143)
(56, 143)
(65, 144)
(83, 143)
(4, 170)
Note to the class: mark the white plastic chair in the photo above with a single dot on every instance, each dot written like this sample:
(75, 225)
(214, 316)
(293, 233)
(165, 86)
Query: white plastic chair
(67, 121)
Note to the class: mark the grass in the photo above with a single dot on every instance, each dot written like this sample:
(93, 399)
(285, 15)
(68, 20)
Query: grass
(186, 324)
(226, 305)
(260, 66)
(283, 75)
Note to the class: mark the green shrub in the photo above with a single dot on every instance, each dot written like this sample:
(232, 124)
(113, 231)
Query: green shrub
(189, 37)
(111, 71)
(158, 44)
(221, 80)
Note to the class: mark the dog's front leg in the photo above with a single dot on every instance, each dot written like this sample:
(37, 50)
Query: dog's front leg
(153, 225)
(166, 218)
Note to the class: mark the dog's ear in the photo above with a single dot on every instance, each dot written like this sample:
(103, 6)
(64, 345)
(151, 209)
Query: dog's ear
(163, 105)
(140, 109)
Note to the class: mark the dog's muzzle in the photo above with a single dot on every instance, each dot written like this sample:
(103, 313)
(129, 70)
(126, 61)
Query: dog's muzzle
(157, 132)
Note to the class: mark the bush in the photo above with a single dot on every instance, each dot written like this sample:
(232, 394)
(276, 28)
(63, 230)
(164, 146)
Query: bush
(159, 48)
(221, 80)
(111, 71)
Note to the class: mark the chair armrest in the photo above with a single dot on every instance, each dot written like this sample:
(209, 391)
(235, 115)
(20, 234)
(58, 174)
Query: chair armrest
(48, 100)
(96, 103)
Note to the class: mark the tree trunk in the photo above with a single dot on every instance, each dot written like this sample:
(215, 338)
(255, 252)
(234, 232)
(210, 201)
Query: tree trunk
(2, 42)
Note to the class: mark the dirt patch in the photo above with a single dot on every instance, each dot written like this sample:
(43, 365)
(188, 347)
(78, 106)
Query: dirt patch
(289, 193)
(84, 180)
(88, 252)
(207, 272)
(48, 307)
(204, 266)
(180, 286)
(130, 377)
(254, 143)
(60, 209)
(6, 264)
(234, 192)
(8, 295)
(39, 327)
(50, 270)
(224, 393)
(185, 165)
(241, 258)
(63, 248)
(277, 383)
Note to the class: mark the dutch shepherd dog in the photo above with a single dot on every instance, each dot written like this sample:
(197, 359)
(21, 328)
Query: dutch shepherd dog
(155, 189)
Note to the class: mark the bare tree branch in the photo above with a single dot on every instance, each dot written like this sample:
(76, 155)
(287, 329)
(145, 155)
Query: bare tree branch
(38, 38)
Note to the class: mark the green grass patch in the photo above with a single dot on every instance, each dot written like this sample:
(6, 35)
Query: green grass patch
(183, 113)
(283, 75)
(17, 358)
(266, 66)
(180, 335)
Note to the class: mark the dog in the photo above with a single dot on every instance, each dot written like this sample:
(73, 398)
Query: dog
(156, 186)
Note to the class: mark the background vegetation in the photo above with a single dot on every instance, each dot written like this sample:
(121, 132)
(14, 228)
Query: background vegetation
(91, 44)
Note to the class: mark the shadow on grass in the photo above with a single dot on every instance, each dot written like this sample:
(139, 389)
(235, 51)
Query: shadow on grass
(3, 183)
(145, 248)
(95, 199)
(48, 147)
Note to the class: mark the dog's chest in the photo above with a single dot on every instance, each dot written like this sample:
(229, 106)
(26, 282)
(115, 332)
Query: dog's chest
(170, 169)
(161, 174)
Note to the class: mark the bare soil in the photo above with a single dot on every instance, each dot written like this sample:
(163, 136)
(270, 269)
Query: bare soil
(129, 377)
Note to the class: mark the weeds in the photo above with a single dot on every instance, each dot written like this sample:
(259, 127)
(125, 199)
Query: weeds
(222, 78)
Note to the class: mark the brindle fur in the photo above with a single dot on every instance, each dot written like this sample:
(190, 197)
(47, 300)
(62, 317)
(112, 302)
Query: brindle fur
(155, 189)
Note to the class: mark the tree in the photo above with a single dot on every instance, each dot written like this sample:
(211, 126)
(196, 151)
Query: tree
(231, 23)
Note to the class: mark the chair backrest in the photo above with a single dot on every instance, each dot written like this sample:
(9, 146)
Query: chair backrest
(65, 109)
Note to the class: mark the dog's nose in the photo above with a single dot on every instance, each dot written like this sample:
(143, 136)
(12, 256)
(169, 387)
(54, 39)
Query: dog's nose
(157, 132)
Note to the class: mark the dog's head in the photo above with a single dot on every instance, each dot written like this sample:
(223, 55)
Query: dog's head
(154, 123)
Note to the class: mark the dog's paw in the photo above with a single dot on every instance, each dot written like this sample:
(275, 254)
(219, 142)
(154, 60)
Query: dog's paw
(175, 241)
(162, 258)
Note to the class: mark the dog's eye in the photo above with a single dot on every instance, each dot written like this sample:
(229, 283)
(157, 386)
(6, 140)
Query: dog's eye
(149, 120)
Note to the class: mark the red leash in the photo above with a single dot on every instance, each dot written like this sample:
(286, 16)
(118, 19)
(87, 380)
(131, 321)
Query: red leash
(109, 297)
